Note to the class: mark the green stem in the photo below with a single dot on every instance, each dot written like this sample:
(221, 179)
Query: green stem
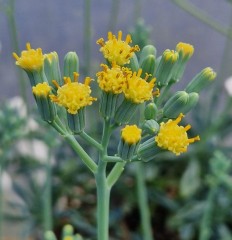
(115, 173)
(1, 200)
(143, 202)
(103, 190)
(87, 36)
(91, 141)
(47, 198)
(112, 159)
(205, 228)
(10, 10)
(203, 17)
(86, 159)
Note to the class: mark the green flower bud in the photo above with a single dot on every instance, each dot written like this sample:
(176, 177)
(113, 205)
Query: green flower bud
(71, 64)
(52, 67)
(108, 104)
(46, 107)
(49, 235)
(201, 80)
(180, 102)
(134, 63)
(146, 51)
(165, 67)
(78, 237)
(125, 112)
(76, 122)
(67, 230)
(150, 111)
(150, 126)
(148, 67)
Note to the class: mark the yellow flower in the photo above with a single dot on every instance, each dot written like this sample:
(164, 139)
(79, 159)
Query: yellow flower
(73, 95)
(41, 89)
(173, 137)
(30, 59)
(186, 49)
(68, 238)
(116, 50)
(111, 79)
(138, 89)
(131, 134)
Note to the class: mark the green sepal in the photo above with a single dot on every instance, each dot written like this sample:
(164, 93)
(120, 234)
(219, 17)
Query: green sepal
(76, 122)
(134, 63)
(37, 77)
(148, 67)
(201, 80)
(71, 64)
(46, 107)
(150, 111)
(125, 112)
(147, 51)
(148, 150)
(150, 126)
(180, 102)
(108, 104)
(52, 69)
(126, 151)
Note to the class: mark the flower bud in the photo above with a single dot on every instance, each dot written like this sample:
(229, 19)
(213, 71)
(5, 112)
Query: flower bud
(146, 51)
(150, 111)
(148, 67)
(201, 80)
(150, 126)
(52, 67)
(76, 122)
(130, 138)
(165, 67)
(185, 51)
(46, 107)
(67, 230)
(71, 64)
(134, 63)
(180, 102)
(49, 235)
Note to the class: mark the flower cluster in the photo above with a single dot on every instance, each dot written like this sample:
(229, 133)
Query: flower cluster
(127, 83)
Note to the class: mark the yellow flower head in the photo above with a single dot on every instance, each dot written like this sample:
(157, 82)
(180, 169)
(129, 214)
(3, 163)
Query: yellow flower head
(209, 74)
(41, 89)
(138, 90)
(131, 134)
(186, 49)
(116, 50)
(73, 95)
(173, 137)
(30, 59)
(51, 56)
(170, 55)
(111, 79)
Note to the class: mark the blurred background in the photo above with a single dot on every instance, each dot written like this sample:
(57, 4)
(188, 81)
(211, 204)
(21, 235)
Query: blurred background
(42, 184)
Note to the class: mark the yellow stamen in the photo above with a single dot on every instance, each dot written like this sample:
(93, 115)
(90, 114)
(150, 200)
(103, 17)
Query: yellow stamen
(41, 89)
(131, 134)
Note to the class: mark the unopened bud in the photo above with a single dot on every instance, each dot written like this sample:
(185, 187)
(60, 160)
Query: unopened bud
(148, 67)
(146, 51)
(150, 126)
(201, 80)
(150, 111)
(71, 64)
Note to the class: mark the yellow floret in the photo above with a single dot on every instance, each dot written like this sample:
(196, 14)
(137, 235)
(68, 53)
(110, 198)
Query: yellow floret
(138, 90)
(170, 55)
(186, 49)
(173, 137)
(116, 50)
(30, 59)
(131, 134)
(111, 79)
(41, 89)
(209, 73)
(73, 95)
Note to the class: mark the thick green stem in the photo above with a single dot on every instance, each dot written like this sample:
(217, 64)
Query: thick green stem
(103, 202)
(47, 197)
(205, 228)
(115, 173)
(143, 203)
